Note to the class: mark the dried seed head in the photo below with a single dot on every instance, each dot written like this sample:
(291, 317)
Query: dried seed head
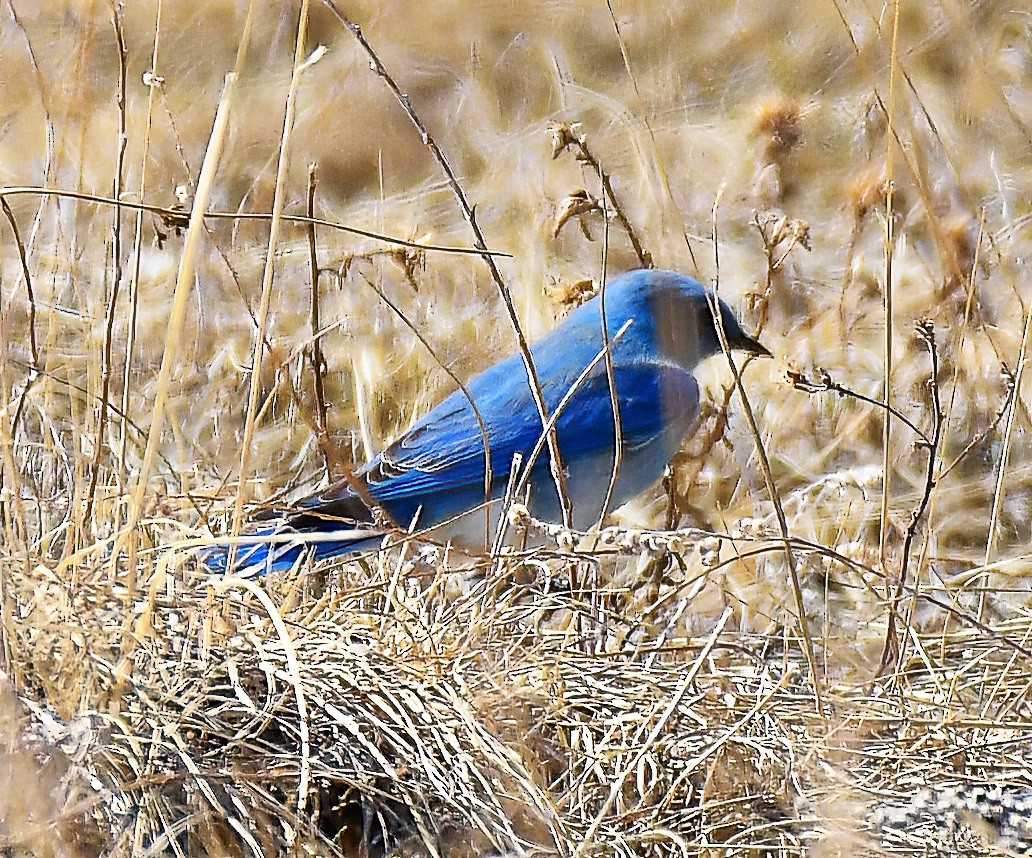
(865, 192)
(778, 125)
(577, 204)
(563, 136)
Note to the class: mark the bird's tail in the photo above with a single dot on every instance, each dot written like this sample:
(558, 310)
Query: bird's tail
(277, 547)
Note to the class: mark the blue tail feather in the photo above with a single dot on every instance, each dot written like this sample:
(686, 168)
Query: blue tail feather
(278, 548)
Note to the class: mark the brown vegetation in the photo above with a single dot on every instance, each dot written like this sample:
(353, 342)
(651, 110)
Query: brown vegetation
(642, 692)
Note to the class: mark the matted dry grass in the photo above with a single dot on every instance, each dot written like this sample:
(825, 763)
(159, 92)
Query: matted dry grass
(643, 693)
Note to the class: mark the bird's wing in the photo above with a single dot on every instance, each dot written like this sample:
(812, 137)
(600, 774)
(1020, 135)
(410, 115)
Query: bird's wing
(445, 449)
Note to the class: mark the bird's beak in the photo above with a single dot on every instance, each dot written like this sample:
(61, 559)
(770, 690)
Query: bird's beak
(753, 347)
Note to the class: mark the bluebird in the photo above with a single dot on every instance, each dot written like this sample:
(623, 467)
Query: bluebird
(660, 326)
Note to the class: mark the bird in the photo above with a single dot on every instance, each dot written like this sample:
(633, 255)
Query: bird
(659, 326)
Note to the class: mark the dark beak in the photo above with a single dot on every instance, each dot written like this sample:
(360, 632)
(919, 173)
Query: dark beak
(753, 347)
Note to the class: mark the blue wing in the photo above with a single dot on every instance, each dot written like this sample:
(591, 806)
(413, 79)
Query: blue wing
(437, 468)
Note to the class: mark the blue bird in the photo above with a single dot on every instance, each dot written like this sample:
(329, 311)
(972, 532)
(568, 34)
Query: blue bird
(660, 326)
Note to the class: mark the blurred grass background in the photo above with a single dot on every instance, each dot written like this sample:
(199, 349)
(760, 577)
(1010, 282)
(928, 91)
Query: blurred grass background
(762, 124)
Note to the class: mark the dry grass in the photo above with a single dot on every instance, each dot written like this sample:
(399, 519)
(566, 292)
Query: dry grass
(642, 694)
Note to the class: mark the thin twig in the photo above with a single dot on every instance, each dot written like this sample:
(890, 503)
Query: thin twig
(116, 272)
(1004, 409)
(825, 383)
(890, 238)
(1008, 434)
(644, 257)
(180, 217)
(646, 111)
(614, 399)
(614, 403)
(50, 132)
(468, 211)
(153, 81)
(34, 368)
(768, 475)
(560, 407)
(177, 317)
(88, 395)
(318, 362)
(22, 258)
(890, 647)
(478, 416)
(892, 133)
(565, 136)
(279, 194)
(775, 230)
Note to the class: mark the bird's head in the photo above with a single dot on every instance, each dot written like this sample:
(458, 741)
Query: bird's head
(685, 314)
